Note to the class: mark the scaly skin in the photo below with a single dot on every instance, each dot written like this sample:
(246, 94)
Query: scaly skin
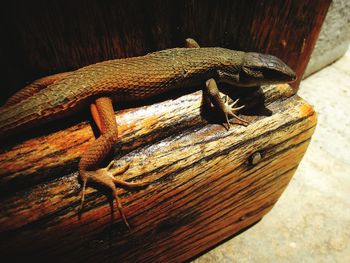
(131, 79)
(125, 79)
(34, 88)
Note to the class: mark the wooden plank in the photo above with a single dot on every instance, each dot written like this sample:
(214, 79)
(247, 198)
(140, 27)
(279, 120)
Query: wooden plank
(203, 189)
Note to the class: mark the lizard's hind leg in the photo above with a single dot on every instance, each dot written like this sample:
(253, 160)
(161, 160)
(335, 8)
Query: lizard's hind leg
(191, 43)
(103, 115)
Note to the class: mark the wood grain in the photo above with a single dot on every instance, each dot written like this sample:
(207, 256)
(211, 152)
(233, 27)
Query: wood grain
(43, 38)
(203, 189)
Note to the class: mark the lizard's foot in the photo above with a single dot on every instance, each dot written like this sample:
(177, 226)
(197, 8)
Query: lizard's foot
(106, 177)
(211, 94)
(230, 111)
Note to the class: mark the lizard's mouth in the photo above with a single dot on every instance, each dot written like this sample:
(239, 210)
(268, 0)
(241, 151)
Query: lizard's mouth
(285, 75)
(289, 74)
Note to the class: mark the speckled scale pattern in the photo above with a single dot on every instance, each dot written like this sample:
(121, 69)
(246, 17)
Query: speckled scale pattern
(124, 79)
(102, 146)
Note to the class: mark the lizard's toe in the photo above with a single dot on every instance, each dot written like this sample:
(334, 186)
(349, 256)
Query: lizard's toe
(230, 112)
(106, 177)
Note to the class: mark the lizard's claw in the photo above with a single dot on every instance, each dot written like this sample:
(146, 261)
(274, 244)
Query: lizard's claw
(230, 111)
(106, 177)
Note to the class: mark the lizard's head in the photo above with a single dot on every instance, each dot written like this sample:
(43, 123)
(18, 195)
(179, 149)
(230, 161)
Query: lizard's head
(261, 69)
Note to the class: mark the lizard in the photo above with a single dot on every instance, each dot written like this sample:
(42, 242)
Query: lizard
(99, 85)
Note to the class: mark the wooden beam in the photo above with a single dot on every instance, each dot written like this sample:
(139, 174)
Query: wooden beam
(205, 184)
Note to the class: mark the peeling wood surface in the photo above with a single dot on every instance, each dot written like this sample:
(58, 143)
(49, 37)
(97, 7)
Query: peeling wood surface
(203, 186)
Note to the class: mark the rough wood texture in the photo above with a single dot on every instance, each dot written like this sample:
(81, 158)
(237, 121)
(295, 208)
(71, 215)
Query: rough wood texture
(204, 187)
(42, 38)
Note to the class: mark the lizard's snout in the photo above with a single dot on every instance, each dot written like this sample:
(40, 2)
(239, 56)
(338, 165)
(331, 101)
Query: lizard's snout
(280, 70)
(290, 74)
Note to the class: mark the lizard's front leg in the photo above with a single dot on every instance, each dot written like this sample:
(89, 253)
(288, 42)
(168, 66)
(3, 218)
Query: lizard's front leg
(211, 93)
(103, 114)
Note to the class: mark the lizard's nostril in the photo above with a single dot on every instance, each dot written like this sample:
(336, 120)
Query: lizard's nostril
(291, 74)
(294, 76)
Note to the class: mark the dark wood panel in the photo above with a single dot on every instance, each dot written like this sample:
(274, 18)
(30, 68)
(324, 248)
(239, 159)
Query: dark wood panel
(46, 37)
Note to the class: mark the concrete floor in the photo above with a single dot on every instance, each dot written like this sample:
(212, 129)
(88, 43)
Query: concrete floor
(311, 220)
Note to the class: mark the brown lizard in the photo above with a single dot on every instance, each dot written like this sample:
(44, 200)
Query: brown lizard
(134, 78)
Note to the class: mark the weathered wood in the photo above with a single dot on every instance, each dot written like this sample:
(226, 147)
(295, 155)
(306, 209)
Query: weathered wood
(42, 38)
(204, 187)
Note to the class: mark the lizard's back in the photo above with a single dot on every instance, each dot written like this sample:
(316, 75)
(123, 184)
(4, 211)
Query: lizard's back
(125, 79)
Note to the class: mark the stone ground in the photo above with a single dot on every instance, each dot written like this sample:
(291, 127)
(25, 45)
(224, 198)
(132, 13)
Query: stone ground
(311, 220)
